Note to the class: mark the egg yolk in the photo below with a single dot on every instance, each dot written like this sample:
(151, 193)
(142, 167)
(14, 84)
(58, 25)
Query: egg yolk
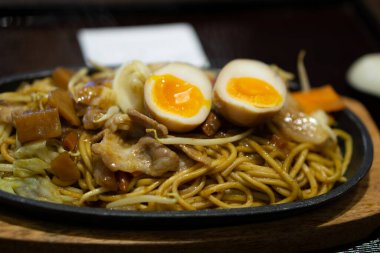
(177, 96)
(254, 91)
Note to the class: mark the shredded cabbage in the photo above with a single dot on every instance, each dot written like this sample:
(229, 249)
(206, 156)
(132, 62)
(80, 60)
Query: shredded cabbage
(111, 111)
(141, 199)
(39, 188)
(36, 149)
(128, 85)
(29, 167)
(172, 140)
(302, 73)
(74, 80)
(15, 97)
(6, 167)
(5, 131)
(6, 185)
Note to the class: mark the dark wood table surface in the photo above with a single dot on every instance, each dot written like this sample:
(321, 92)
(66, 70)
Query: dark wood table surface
(334, 33)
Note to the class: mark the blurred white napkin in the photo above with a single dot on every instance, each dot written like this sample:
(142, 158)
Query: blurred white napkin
(150, 44)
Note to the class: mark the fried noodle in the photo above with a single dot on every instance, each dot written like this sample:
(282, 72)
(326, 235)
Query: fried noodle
(247, 169)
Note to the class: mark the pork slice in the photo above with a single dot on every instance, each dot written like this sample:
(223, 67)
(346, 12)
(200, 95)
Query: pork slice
(296, 125)
(147, 155)
(90, 116)
(118, 121)
(146, 122)
(104, 176)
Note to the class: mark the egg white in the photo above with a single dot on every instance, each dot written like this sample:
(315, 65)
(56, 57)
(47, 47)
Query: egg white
(364, 74)
(190, 74)
(238, 111)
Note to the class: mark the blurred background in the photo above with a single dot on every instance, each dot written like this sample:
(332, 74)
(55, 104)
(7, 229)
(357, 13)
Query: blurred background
(42, 34)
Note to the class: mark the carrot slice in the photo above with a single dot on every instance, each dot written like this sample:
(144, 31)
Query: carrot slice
(323, 98)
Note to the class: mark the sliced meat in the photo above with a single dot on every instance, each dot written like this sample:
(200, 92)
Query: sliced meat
(118, 121)
(91, 115)
(147, 155)
(163, 159)
(144, 121)
(104, 176)
(211, 125)
(115, 120)
(298, 126)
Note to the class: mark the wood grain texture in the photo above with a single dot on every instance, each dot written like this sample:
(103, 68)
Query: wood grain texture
(350, 218)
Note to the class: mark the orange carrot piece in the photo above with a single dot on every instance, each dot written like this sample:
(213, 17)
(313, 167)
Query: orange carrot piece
(323, 98)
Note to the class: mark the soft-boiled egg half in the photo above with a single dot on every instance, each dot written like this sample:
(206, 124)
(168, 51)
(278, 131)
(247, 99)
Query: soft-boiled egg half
(179, 96)
(246, 92)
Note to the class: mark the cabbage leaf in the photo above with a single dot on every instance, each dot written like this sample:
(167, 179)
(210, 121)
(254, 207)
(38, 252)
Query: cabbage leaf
(29, 167)
(39, 188)
(38, 149)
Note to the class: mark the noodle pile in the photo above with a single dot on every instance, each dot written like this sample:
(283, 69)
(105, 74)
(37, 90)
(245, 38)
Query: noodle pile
(256, 169)
(252, 172)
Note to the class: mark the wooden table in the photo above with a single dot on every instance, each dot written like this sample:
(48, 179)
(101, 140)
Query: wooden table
(334, 33)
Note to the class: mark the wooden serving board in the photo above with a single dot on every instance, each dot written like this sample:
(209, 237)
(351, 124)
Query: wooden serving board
(348, 219)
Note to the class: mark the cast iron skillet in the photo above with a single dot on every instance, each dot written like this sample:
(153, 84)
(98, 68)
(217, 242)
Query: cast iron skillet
(358, 168)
